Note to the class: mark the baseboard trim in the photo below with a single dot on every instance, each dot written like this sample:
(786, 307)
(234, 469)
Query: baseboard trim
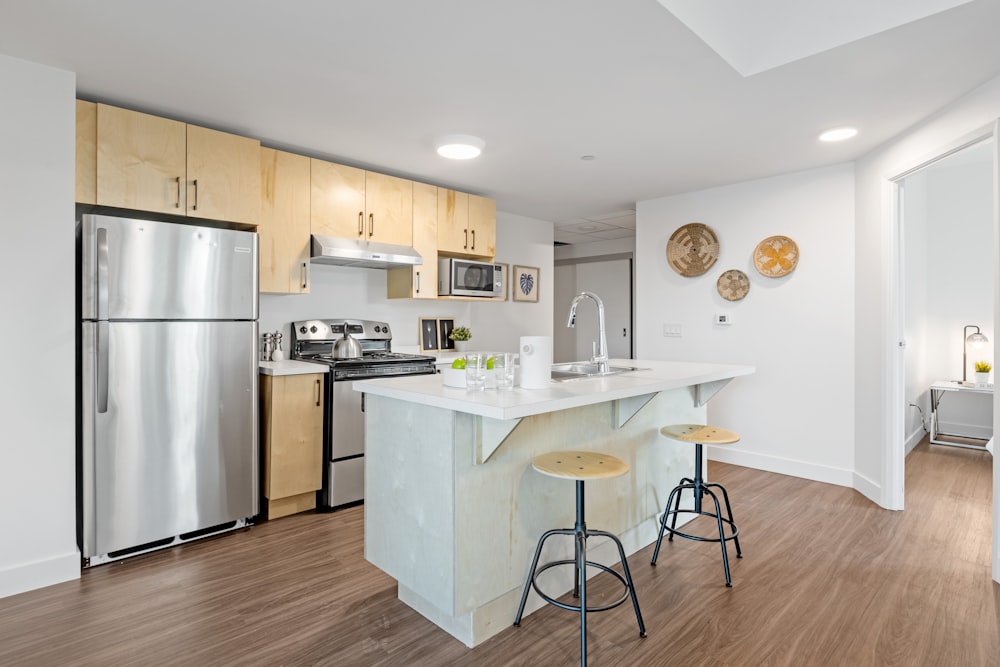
(39, 574)
(914, 439)
(869, 489)
(815, 472)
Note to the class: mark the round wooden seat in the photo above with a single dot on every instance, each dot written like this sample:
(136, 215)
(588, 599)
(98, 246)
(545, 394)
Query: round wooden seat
(699, 434)
(579, 465)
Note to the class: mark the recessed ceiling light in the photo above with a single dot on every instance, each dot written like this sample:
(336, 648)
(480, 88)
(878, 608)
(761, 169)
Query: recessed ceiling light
(838, 134)
(586, 157)
(459, 146)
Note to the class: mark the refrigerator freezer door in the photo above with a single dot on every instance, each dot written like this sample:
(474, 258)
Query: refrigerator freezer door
(176, 450)
(147, 270)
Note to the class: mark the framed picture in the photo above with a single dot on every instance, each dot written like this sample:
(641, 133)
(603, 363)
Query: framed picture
(524, 283)
(429, 334)
(444, 327)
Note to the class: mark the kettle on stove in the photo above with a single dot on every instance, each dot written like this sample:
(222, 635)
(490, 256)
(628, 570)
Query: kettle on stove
(347, 347)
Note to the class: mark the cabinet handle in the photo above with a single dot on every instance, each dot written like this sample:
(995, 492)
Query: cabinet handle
(195, 207)
(466, 246)
(418, 282)
(371, 225)
(319, 393)
(473, 239)
(361, 223)
(305, 275)
(178, 204)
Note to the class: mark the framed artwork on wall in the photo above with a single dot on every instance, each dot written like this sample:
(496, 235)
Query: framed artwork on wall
(444, 328)
(429, 334)
(524, 283)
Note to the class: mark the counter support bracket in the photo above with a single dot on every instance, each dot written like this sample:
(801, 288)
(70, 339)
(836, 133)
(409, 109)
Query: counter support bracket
(704, 392)
(624, 409)
(490, 434)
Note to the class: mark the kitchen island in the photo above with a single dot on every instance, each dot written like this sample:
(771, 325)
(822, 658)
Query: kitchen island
(453, 509)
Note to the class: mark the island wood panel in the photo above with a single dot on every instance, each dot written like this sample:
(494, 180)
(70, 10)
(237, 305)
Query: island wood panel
(292, 440)
(827, 578)
(86, 152)
(223, 176)
(337, 200)
(284, 222)
(389, 209)
(141, 161)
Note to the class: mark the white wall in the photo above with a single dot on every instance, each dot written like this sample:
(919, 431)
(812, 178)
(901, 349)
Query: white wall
(338, 291)
(38, 474)
(794, 413)
(874, 347)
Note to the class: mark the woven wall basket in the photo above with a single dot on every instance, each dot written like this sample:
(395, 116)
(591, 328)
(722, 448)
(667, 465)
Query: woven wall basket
(776, 256)
(692, 249)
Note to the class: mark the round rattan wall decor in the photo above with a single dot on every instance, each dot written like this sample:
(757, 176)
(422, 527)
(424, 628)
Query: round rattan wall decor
(776, 256)
(692, 249)
(733, 285)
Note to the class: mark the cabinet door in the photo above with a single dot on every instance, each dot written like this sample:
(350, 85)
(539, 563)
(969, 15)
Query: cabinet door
(338, 200)
(482, 226)
(223, 176)
(141, 161)
(293, 451)
(86, 152)
(284, 222)
(389, 207)
(419, 282)
(453, 221)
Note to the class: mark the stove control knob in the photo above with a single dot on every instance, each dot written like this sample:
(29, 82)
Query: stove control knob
(313, 329)
(302, 330)
(378, 329)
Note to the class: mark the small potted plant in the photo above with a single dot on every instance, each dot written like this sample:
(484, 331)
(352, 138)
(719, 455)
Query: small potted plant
(461, 336)
(983, 369)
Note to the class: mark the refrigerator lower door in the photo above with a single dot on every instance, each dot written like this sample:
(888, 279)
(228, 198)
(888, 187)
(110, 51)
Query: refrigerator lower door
(174, 449)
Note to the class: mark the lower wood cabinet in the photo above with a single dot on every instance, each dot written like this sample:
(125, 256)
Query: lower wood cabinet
(291, 442)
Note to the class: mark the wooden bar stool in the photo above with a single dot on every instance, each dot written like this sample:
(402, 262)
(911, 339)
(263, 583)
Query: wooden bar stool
(700, 435)
(580, 466)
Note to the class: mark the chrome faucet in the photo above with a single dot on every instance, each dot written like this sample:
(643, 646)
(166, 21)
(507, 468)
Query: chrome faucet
(600, 350)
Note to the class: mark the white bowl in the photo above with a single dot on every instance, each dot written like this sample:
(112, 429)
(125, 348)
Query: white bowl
(453, 377)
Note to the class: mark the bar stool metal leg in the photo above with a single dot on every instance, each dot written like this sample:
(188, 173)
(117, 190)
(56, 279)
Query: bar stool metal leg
(732, 521)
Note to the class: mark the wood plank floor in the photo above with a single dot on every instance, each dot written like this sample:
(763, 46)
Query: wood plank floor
(827, 578)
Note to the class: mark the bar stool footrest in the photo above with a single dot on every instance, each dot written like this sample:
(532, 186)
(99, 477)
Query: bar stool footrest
(562, 605)
(673, 531)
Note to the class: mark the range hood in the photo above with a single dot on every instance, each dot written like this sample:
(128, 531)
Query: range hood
(363, 254)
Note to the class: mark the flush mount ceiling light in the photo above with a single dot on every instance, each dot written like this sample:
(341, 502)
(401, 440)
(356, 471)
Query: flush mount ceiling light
(459, 146)
(838, 134)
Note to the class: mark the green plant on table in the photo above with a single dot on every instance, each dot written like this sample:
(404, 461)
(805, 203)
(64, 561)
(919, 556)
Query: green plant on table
(460, 333)
(983, 367)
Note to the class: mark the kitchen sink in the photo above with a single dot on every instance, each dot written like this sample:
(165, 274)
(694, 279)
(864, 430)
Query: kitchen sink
(578, 370)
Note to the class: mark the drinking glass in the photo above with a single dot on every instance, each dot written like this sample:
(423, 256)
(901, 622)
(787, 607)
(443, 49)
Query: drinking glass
(475, 371)
(503, 368)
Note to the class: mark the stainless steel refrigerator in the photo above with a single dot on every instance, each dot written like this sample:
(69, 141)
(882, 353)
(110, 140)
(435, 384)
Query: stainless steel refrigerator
(168, 381)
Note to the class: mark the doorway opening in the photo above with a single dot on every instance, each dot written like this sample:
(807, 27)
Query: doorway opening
(610, 278)
(946, 291)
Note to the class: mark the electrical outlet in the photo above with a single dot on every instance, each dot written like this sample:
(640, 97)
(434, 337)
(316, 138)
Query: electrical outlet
(723, 318)
(672, 331)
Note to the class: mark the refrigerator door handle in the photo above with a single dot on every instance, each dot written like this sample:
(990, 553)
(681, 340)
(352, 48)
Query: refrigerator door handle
(102, 367)
(102, 273)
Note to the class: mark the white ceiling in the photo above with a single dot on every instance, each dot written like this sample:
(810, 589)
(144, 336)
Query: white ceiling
(373, 83)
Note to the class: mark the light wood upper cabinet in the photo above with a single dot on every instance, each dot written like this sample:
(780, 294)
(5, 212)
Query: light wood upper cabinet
(223, 174)
(338, 200)
(466, 224)
(292, 441)
(86, 152)
(389, 209)
(348, 202)
(149, 163)
(141, 161)
(419, 282)
(284, 222)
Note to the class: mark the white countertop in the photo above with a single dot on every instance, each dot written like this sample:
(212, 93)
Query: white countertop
(654, 376)
(289, 367)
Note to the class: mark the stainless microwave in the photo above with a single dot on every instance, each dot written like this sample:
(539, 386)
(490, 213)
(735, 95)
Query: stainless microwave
(464, 277)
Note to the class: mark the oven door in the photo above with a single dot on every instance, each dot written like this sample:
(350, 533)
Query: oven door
(344, 476)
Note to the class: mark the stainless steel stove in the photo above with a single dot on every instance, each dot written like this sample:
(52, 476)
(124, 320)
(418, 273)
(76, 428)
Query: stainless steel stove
(344, 423)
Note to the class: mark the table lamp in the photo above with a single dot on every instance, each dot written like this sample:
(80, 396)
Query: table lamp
(977, 340)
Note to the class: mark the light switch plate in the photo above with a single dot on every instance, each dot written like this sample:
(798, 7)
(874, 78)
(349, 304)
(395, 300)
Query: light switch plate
(672, 331)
